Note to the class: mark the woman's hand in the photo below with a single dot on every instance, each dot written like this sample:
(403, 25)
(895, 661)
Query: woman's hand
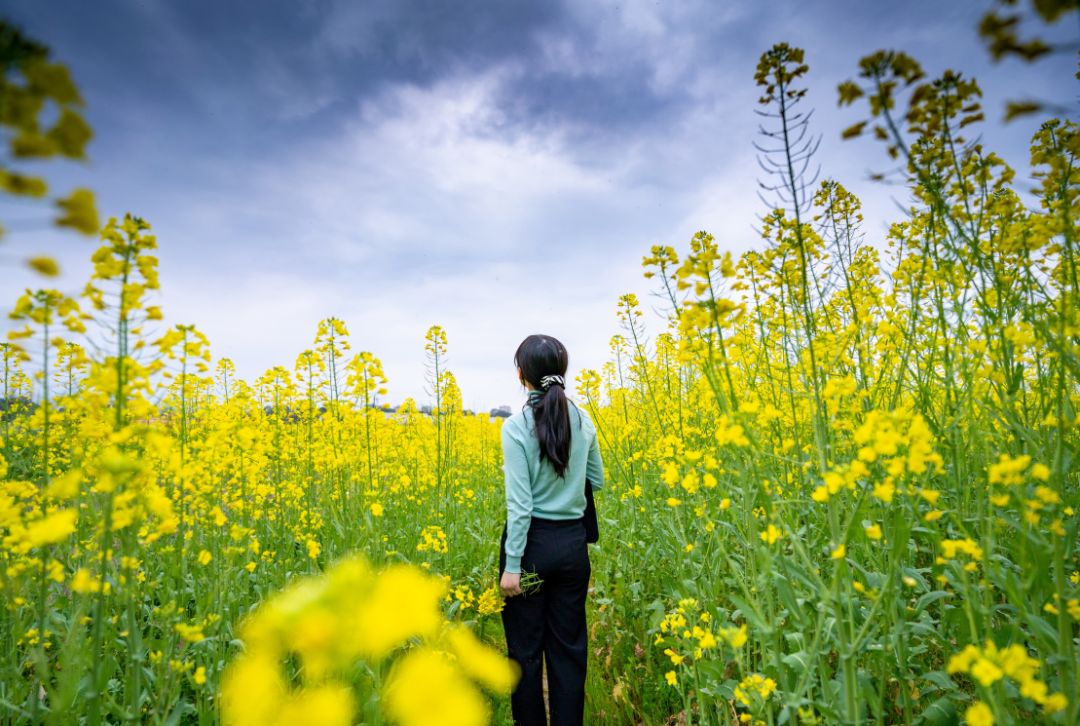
(510, 584)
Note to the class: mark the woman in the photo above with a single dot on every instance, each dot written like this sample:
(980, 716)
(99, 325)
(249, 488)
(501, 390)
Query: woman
(549, 449)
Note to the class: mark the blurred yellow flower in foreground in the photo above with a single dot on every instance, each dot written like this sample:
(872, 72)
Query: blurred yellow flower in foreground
(353, 614)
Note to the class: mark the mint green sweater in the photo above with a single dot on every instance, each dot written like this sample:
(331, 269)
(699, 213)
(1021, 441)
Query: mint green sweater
(533, 487)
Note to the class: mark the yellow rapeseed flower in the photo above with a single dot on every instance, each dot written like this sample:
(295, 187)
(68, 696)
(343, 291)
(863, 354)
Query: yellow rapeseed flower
(754, 684)
(426, 689)
(986, 672)
(735, 637)
(190, 633)
(252, 690)
(1008, 471)
(885, 491)
(950, 548)
(45, 265)
(331, 705)
(404, 602)
(490, 601)
(979, 714)
(83, 582)
(676, 658)
(481, 662)
(432, 539)
(50, 529)
(1055, 702)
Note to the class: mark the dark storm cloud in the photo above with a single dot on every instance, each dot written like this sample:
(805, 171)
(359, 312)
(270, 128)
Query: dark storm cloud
(236, 76)
(251, 73)
(256, 69)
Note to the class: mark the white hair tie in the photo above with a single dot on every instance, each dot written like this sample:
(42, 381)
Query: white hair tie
(546, 381)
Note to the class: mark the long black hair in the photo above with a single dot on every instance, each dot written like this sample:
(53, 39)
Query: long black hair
(541, 357)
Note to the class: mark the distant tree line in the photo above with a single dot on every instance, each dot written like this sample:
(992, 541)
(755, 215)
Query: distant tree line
(12, 405)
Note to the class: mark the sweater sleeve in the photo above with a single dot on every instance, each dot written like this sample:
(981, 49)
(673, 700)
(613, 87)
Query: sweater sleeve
(594, 465)
(519, 499)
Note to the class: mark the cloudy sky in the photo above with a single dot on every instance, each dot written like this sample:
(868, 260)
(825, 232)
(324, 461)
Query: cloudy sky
(496, 167)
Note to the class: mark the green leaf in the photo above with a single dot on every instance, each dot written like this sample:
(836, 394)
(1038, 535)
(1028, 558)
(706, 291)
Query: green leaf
(940, 679)
(941, 712)
(182, 707)
(787, 596)
(1042, 628)
(750, 613)
(930, 597)
(798, 662)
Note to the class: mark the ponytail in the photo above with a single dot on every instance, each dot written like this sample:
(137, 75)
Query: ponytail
(552, 417)
(543, 360)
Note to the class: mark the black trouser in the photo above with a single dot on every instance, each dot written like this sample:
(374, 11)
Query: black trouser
(550, 623)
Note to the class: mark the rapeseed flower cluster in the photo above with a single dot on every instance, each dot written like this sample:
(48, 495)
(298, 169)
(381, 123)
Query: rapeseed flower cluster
(754, 690)
(989, 664)
(354, 615)
(432, 539)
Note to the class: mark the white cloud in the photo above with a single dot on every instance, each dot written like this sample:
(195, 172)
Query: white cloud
(416, 176)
